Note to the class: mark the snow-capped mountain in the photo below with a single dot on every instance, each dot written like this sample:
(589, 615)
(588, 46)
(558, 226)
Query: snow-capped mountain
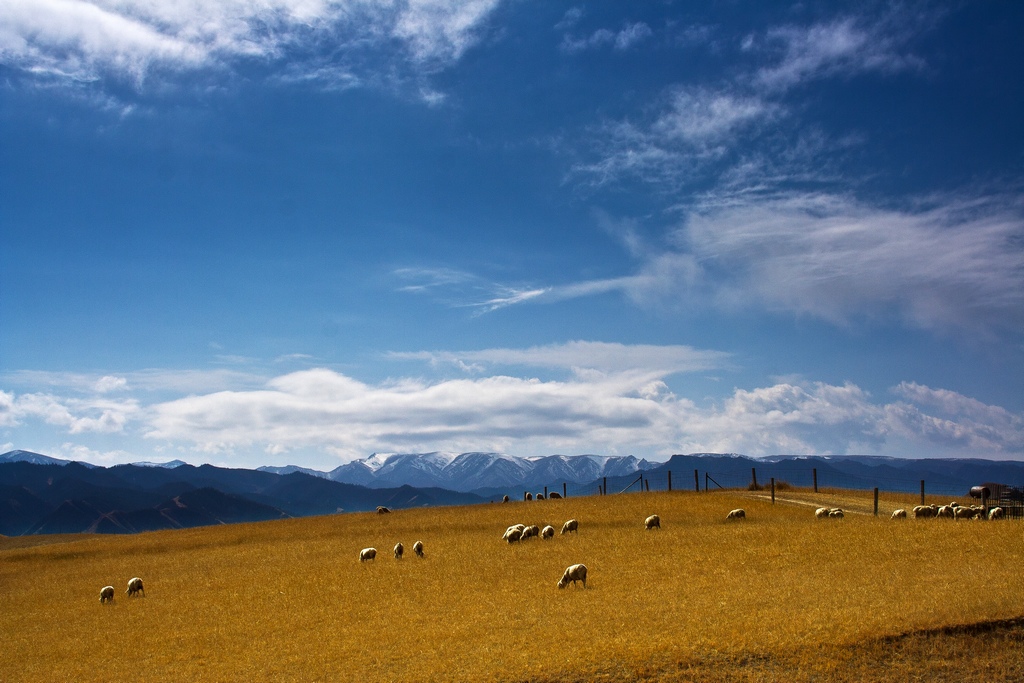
(473, 471)
(170, 465)
(34, 458)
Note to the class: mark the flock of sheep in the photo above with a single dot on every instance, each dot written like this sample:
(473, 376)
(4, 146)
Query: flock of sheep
(578, 572)
(952, 511)
(134, 589)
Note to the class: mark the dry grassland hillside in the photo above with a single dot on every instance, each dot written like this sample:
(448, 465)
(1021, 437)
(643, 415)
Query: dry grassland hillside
(779, 596)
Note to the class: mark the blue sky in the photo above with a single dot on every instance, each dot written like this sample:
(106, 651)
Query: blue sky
(301, 231)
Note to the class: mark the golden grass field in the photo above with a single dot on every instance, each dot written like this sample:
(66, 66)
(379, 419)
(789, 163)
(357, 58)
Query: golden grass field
(780, 596)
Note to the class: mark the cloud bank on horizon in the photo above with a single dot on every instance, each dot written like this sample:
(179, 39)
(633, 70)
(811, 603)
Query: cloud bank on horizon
(485, 225)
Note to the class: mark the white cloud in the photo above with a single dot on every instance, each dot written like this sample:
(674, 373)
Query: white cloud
(842, 47)
(956, 265)
(76, 415)
(309, 39)
(606, 358)
(608, 413)
(623, 39)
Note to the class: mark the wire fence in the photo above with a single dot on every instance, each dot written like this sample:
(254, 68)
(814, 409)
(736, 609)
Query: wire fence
(791, 473)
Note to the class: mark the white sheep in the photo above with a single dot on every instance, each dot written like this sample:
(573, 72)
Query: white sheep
(529, 496)
(512, 534)
(382, 510)
(835, 513)
(135, 587)
(996, 513)
(554, 495)
(899, 513)
(539, 496)
(924, 511)
(574, 573)
(547, 532)
(531, 531)
(652, 522)
(963, 512)
(107, 594)
(945, 511)
(822, 513)
(399, 550)
(738, 513)
(571, 525)
(504, 499)
(367, 554)
(417, 548)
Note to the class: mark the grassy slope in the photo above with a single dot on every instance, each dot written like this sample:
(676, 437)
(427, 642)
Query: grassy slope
(780, 596)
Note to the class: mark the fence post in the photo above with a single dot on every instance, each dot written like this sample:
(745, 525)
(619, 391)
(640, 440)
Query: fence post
(525, 494)
(876, 501)
(604, 486)
(815, 473)
(773, 490)
(922, 492)
(705, 481)
(670, 480)
(753, 474)
(647, 485)
(545, 493)
(563, 490)
(696, 481)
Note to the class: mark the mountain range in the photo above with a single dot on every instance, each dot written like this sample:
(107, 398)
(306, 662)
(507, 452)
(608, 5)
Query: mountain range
(41, 494)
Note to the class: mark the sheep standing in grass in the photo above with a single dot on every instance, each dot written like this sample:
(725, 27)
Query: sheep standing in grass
(399, 550)
(135, 587)
(107, 594)
(547, 532)
(381, 510)
(899, 514)
(417, 548)
(835, 513)
(367, 554)
(996, 513)
(504, 499)
(946, 511)
(738, 513)
(822, 513)
(512, 534)
(574, 573)
(652, 522)
(924, 511)
(571, 525)
(554, 495)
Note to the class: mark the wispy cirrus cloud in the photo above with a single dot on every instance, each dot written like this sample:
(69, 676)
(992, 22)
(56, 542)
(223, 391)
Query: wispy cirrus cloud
(629, 35)
(136, 40)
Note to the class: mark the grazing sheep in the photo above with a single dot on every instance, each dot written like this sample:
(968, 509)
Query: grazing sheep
(504, 499)
(529, 496)
(382, 510)
(945, 511)
(417, 548)
(822, 513)
(996, 513)
(547, 532)
(539, 496)
(738, 513)
(961, 512)
(835, 513)
(554, 495)
(899, 514)
(571, 525)
(512, 535)
(652, 522)
(574, 573)
(399, 550)
(107, 594)
(924, 511)
(135, 587)
(367, 554)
